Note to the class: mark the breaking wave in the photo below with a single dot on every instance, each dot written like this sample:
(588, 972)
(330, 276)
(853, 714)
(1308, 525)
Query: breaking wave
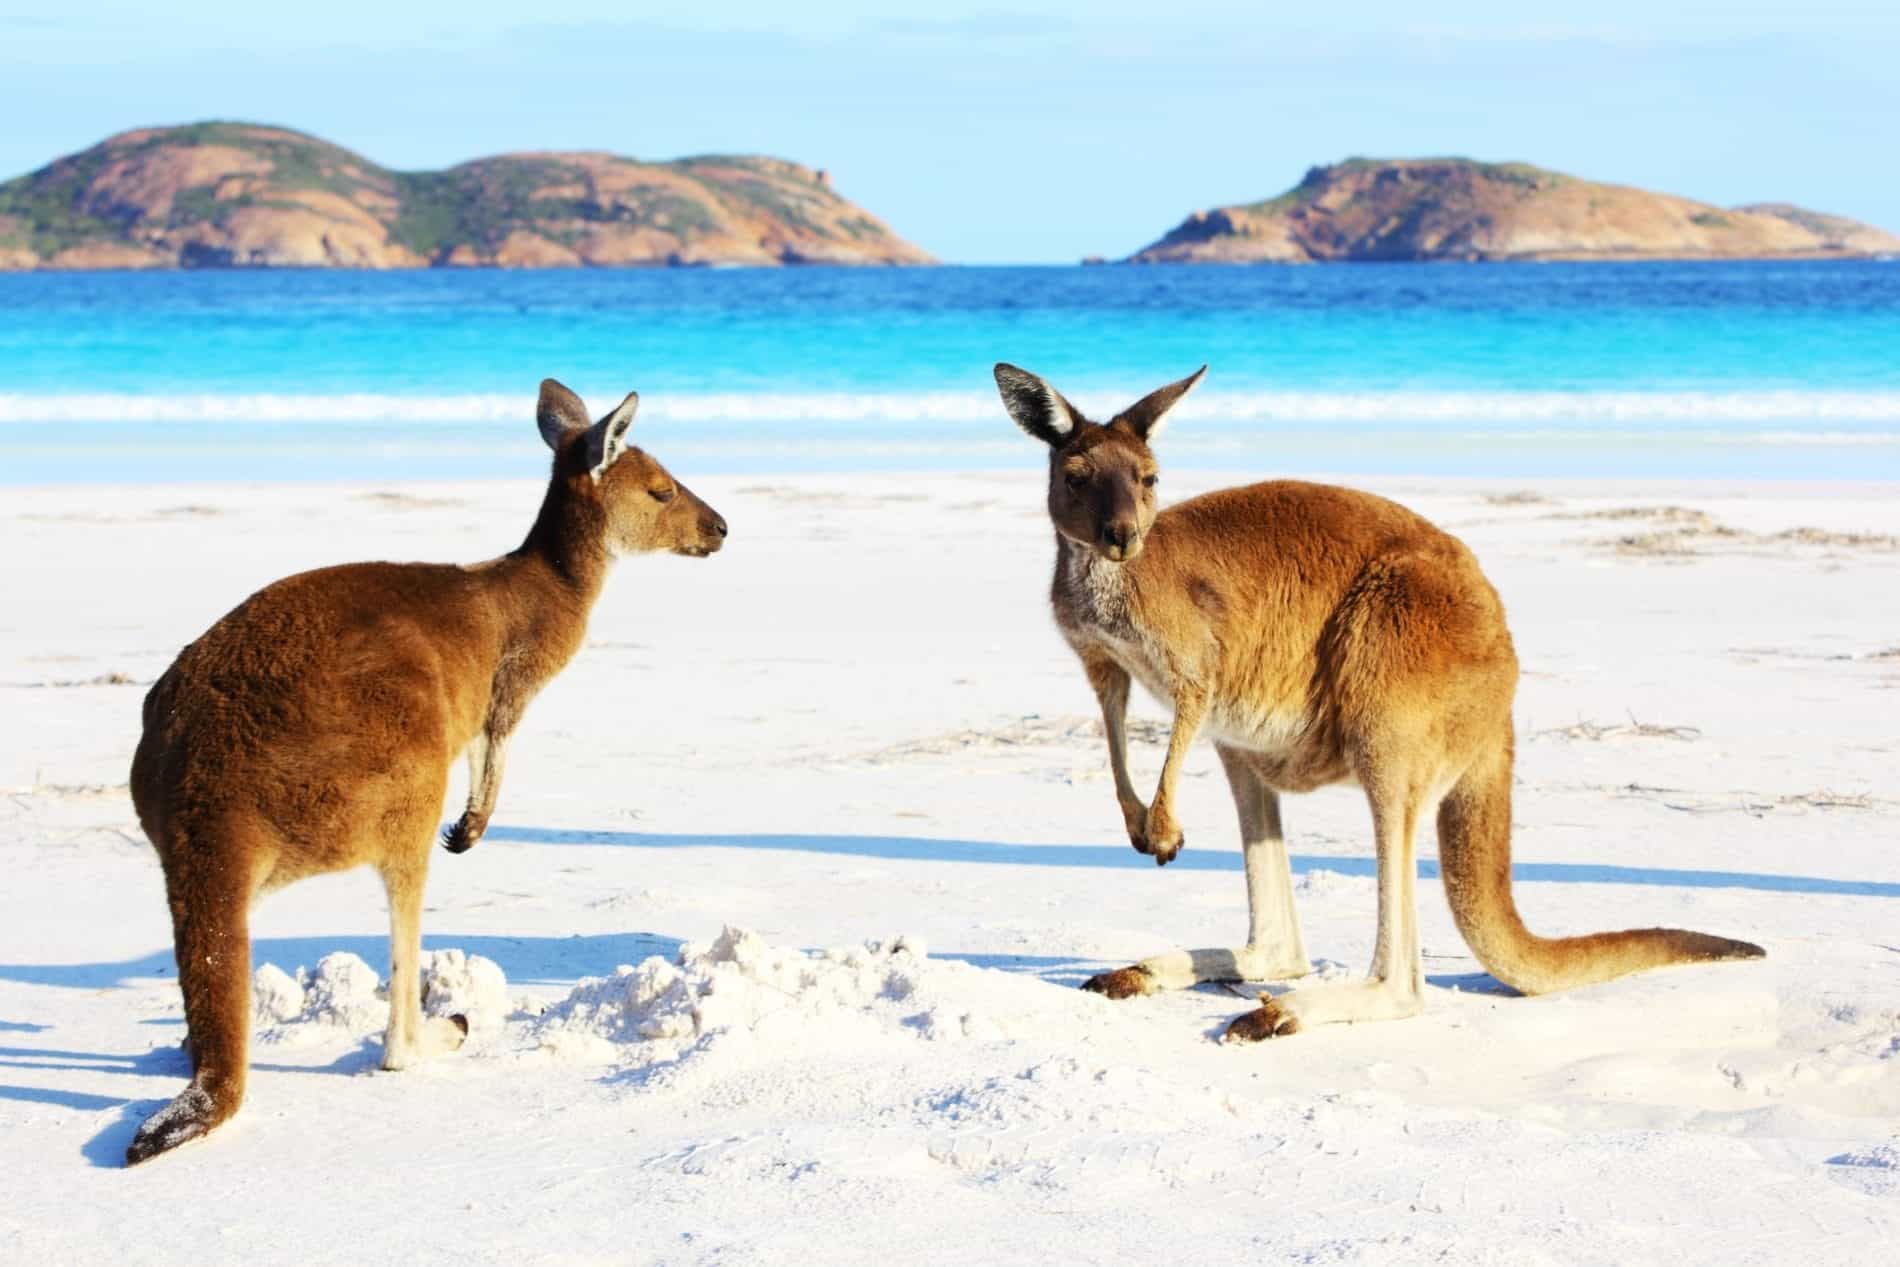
(1586, 408)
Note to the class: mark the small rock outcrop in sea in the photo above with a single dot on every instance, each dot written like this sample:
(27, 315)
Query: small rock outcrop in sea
(232, 195)
(1458, 209)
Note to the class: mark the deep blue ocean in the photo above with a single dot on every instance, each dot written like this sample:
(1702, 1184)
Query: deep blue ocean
(1765, 370)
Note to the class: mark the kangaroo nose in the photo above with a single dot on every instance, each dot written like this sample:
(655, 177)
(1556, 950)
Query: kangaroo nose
(1118, 534)
(717, 524)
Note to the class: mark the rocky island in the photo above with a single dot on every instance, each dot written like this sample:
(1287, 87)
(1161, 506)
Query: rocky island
(1458, 209)
(240, 195)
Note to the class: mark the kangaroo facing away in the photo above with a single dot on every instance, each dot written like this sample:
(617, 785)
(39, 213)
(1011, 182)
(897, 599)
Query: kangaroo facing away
(1321, 636)
(312, 729)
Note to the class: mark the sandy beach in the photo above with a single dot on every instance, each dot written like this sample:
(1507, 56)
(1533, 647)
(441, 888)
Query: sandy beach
(857, 725)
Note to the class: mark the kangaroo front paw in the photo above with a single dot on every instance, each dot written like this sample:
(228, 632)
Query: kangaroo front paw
(1154, 833)
(465, 832)
(1123, 983)
(1164, 838)
(1269, 1020)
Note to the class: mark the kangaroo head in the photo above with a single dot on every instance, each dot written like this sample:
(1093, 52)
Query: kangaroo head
(640, 505)
(1101, 476)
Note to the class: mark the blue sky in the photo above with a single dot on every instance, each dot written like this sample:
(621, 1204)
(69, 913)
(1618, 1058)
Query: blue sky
(1013, 133)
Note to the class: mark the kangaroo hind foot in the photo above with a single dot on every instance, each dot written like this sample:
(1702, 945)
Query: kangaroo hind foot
(1269, 1020)
(192, 1113)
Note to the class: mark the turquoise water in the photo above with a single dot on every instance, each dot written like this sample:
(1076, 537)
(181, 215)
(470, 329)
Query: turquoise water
(1767, 370)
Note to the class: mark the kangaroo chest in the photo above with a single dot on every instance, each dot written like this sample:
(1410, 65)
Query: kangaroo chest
(1097, 609)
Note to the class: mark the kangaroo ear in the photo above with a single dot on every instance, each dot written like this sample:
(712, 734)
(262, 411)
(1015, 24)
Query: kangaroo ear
(1035, 406)
(1147, 416)
(607, 439)
(559, 412)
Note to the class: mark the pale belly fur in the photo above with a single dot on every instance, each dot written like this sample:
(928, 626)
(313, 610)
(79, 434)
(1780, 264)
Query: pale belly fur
(1278, 731)
(1272, 732)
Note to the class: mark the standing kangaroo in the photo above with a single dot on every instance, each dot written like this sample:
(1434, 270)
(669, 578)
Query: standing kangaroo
(1322, 636)
(312, 730)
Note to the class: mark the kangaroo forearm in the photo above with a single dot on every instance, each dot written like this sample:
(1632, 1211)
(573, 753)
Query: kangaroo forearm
(487, 757)
(1110, 681)
(487, 754)
(1117, 729)
(1189, 712)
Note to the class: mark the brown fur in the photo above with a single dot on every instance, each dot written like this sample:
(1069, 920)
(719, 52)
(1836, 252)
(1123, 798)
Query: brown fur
(312, 729)
(1322, 636)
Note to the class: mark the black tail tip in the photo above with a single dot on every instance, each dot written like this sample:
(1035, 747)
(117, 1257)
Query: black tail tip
(1710, 948)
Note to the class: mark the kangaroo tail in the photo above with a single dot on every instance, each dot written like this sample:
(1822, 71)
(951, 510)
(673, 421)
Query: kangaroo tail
(211, 929)
(1474, 849)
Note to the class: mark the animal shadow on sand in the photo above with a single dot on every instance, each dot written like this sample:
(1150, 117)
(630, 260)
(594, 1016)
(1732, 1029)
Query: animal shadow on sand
(932, 849)
(528, 960)
(107, 1146)
(559, 960)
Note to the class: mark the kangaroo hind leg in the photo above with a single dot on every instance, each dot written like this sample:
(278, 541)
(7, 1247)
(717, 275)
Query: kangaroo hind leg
(1396, 985)
(1274, 949)
(411, 1037)
(209, 885)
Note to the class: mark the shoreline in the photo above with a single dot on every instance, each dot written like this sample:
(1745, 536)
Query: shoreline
(105, 458)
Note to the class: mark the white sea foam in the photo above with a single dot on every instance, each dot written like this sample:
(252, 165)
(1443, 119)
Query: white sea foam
(977, 406)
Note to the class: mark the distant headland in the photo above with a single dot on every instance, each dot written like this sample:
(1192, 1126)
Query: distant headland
(1458, 209)
(245, 195)
(242, 195)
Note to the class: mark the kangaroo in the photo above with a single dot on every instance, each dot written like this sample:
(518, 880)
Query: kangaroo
(313, 727)
(1321, 636)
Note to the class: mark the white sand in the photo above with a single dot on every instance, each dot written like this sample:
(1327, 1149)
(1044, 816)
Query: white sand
(858, 723)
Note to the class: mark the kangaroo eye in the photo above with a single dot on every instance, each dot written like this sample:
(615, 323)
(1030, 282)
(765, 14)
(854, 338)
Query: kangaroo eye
(661, 494)
(1148, 481)
(1076, 479)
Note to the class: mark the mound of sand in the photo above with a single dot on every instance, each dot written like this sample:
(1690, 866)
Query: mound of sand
(739, 987)
(344, 995)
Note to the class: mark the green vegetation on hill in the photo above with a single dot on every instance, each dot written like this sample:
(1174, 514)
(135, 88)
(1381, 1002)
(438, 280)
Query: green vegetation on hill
(239, 193)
